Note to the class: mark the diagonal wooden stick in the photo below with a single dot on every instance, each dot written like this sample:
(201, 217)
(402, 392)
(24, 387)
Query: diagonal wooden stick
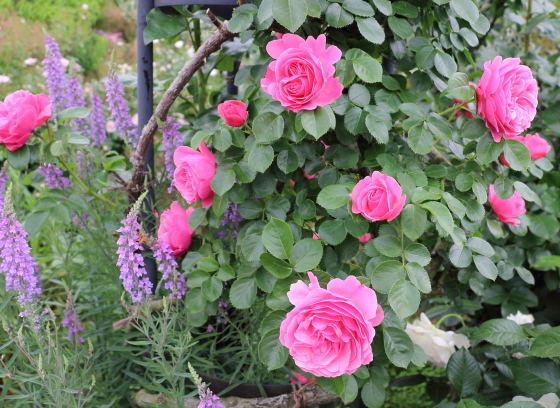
(211, 45)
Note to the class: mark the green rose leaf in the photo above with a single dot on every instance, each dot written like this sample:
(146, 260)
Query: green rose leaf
(463, 372)
(501, 332)
(398, 346)
(404, 298)
(306, 255)
(271, 352)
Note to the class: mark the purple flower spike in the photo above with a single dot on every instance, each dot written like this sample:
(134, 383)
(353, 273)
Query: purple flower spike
(54, 177)
(22, 272)
(174, 281)
(130, 261)
(97, 121)
(171, 140)
(119, 110)
(3, 181)
(70, 320)
(76, 99)
(56, 82)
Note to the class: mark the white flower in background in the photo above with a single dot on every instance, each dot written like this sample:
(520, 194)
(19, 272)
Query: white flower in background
(135, 119)
(156, 41)
(437, 344)
(4, 79)
(179, 44)
(120, 43)
(30, 61)
(547, 400)
(521, 318)
(64, 62)
(518, 355)
(214, 72)
(110, 126)
(85, 7)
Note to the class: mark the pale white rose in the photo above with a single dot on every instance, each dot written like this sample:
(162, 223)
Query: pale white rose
(64, 62)
(547, 400)
(135, 119)
(521, 318)
(437, 344)
(179, 44)
(30, 61)
(85, 7)
(110, 126)
(4, 79)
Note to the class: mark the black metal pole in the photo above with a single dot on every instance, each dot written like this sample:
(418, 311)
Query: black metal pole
(145, 61)
(230, 78)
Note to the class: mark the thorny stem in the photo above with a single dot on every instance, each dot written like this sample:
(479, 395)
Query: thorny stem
(457, 106)
(529, 13)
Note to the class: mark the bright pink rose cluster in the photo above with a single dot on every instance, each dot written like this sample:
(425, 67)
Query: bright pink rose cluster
(302, 75)
(378, 197)
(194, 173)
(329, 332)
(20, 113)
(507, 210)
(538, 147)
(507, 97)
(174, 229)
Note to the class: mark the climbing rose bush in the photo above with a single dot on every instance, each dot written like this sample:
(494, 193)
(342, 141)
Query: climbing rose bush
(377, 205)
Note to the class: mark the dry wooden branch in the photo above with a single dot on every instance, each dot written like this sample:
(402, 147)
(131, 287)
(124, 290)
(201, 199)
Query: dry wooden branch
(211, 45)
(315, 396)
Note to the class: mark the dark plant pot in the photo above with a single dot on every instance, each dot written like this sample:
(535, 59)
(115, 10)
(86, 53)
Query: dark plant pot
(250, 390)
(245, 390)
(220, 8)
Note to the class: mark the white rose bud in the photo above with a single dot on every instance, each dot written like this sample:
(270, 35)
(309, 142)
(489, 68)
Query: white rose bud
(521, 318)
(547, 400)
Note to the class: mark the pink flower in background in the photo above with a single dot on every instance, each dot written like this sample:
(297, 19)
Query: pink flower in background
(194, 173)
(506, 210)
(316, 236)
(507, 97)
(538, 147)
(174, 229)
(30, 61)
(302, 77)
(365, 238)
(378, 197)
(20, 113)
(300, 378)
(233, 112)
(462, 112)
(329, 332)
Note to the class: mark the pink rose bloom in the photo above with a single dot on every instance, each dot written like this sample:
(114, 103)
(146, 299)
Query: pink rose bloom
(174, 228)
(538, 147)
(378, 197)
(20, 113)
(365, 238)
(329, 332)
(507, 97)
(194, 173)
(302, 77)
(507, 210)
(233, 112)
(300, 378)
(316, 236)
